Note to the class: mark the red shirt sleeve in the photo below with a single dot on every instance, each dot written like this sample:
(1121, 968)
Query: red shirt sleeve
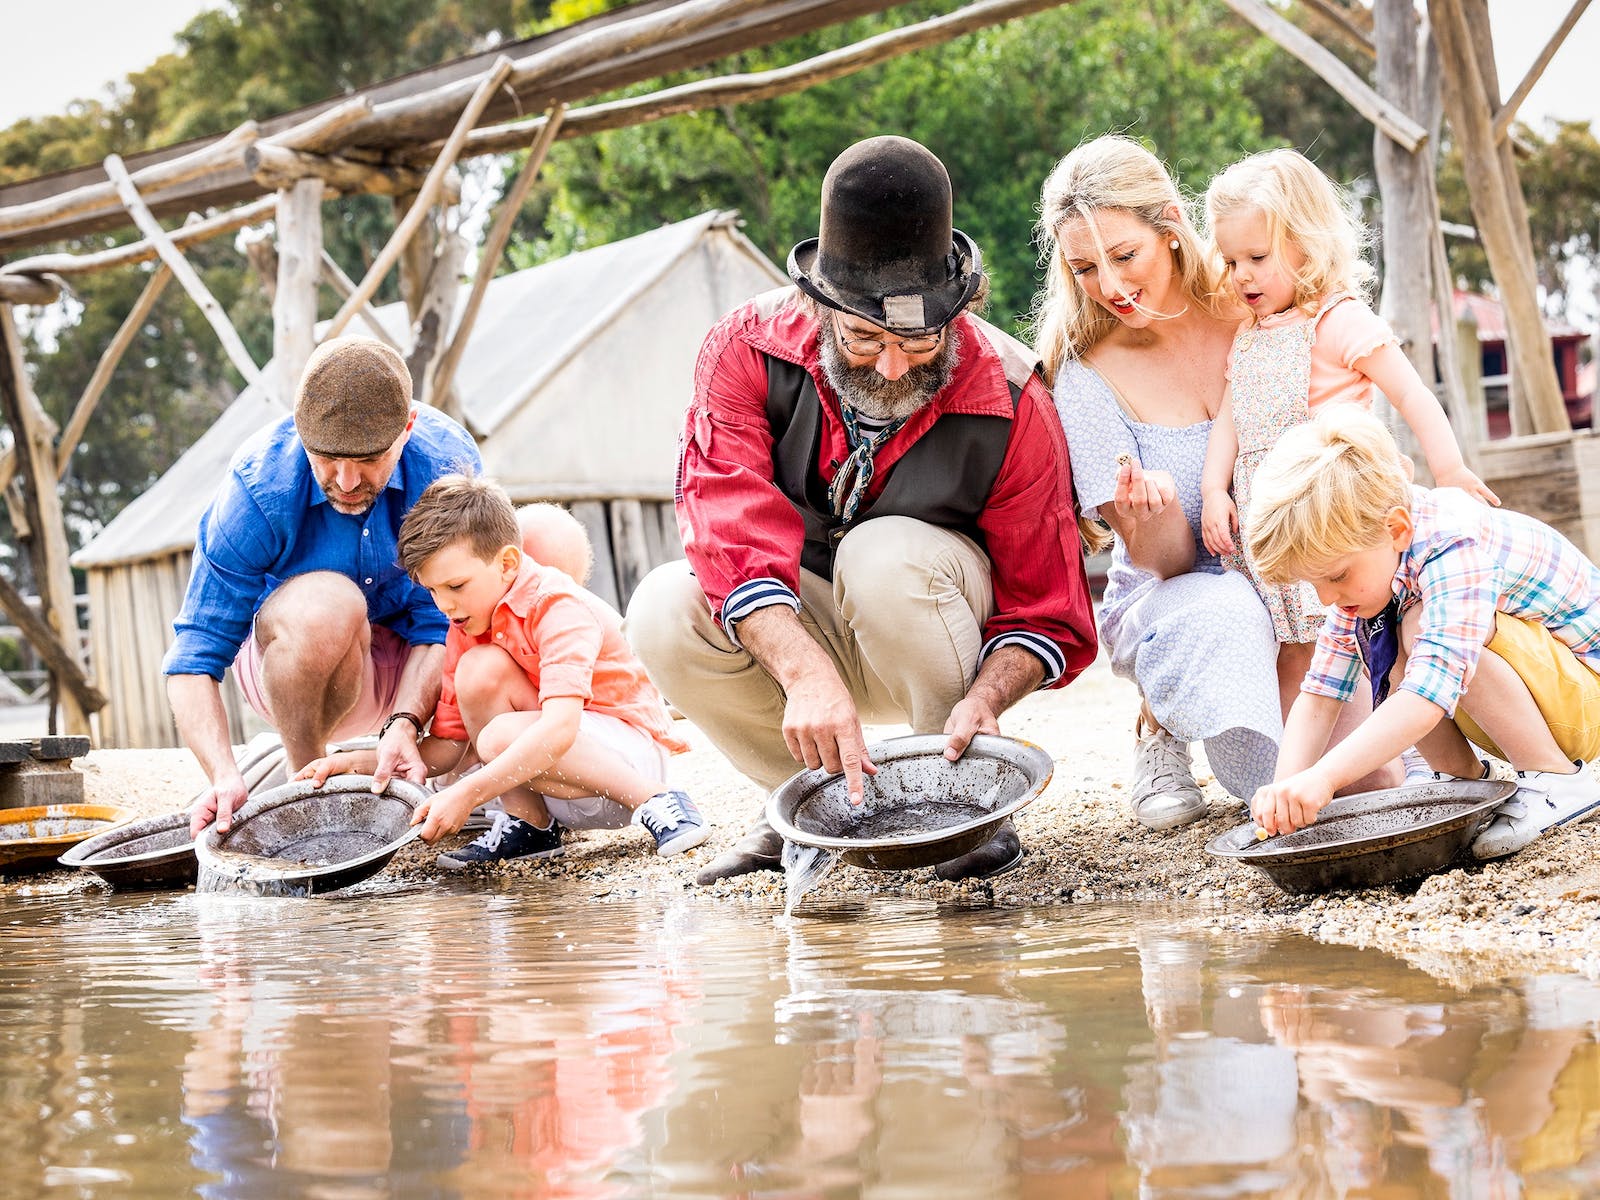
(1036, 564)
(735, 523)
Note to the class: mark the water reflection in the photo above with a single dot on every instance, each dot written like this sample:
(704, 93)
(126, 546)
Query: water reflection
(532, 1042)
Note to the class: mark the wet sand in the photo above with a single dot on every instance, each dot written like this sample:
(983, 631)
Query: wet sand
(1536, 911)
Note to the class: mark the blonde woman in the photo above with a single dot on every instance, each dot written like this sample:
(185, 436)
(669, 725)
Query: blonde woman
(1134, 334)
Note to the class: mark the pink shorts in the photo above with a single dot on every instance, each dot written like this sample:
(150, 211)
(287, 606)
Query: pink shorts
(380, 683)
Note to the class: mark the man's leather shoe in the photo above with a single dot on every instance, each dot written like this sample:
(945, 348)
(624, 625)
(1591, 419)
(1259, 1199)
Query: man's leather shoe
(998, 855)
(761, 849)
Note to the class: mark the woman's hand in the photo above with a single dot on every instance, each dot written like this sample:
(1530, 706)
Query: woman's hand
(1142, 495)
(1219, 523)
(1469, 483)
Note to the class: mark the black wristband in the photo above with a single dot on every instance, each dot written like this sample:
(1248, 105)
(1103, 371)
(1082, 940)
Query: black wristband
(400, 716)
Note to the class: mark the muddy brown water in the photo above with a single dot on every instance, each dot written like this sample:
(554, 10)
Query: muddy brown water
(489, 1039)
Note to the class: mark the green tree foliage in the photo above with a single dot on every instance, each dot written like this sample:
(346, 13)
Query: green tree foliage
(999, 107)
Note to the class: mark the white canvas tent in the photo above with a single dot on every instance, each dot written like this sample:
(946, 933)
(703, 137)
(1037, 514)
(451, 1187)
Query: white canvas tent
(574, 383)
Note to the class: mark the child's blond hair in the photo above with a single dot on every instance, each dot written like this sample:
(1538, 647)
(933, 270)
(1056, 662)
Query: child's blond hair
(1323, 492)
(457, 508)
(1110, 172)
(1303, 206)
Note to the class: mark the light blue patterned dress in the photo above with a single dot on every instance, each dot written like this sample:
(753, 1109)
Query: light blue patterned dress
(1200, 646)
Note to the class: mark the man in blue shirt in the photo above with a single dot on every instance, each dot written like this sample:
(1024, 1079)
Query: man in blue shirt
(296, 583)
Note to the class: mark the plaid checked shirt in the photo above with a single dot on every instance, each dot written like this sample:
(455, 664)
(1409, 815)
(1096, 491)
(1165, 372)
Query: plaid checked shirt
(1465, 561)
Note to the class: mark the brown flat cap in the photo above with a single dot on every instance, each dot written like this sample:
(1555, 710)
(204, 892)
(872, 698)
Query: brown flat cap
(354, 399)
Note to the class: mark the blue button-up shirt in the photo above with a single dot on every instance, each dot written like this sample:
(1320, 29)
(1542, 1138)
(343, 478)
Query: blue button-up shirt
(270, 521)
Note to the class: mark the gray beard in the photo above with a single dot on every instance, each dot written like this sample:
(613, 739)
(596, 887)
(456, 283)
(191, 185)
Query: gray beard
(871, 395)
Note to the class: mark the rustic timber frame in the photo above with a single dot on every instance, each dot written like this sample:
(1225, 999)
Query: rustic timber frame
(403, 138)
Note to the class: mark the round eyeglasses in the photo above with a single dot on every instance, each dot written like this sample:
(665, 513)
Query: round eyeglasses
(871, 347)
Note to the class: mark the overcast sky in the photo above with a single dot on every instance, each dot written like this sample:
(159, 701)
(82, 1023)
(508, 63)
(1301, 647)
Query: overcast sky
(61, 50)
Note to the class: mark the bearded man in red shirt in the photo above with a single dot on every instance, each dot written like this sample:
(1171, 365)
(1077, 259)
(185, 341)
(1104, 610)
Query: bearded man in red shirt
(875, 504)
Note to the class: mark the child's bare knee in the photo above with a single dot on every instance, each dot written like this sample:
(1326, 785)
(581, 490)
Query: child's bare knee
(485, 671)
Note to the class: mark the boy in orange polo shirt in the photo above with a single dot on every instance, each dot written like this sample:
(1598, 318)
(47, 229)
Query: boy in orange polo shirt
(539, 684)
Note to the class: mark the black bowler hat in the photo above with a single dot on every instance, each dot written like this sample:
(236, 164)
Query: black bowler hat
(887, 252)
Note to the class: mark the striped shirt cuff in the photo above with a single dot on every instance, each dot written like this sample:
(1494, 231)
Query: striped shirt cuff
(1036, 644)
(751, 595)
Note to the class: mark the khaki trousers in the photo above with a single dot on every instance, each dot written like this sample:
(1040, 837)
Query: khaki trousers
(902, 621)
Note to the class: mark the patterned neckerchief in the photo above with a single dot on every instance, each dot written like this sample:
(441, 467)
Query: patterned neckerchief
(1379, 639)
(849, 487)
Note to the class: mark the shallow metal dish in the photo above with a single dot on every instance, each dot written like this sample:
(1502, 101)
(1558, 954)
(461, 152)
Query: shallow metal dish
(1372, 838)
(154, 852)
(918, 809)
(31, 838)
(301, 840)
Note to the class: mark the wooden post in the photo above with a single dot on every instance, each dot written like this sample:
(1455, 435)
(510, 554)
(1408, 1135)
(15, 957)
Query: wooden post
(294, 308)
(1499, 211)
(344, 288)
(173, 257)
(425, 197)
(126, 332)
(32, 433)
(432, 324)
(494, 245)
(1508, 111)
(1470, 355)
(1391, 120)
(43, 638)
(261, 253)
(1404, 177)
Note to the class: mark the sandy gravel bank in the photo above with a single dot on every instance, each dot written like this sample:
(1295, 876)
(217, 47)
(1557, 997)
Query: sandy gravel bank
(1539, 910)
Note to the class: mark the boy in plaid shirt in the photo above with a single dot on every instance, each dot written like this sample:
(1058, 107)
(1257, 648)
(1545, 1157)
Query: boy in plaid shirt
(1487, 622)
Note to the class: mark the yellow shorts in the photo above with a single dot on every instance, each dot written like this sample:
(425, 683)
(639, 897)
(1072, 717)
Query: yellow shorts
(1566, 690)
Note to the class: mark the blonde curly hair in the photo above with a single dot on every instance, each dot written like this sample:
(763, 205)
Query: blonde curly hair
(1323, 492)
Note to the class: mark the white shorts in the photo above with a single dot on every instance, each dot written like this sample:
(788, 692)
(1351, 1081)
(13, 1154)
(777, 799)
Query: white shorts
(630, 743)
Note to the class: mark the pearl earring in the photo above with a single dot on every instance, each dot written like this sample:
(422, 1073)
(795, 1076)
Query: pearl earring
(1173, 243)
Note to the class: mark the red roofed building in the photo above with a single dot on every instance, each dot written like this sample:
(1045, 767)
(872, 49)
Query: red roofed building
(1577, 385)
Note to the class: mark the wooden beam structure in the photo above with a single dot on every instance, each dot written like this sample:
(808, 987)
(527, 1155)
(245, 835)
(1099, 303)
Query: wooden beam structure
(757, 85)
(1508, 110)
(1461, 29)
(403, 233)
(294, 302)
(627, 46)
(179, 266)
(29, 289)
(494, 246)
(143, 251)
(344, 287)
(1340, 18)
(1331, 71)
(103, 370)
(32, 434)
(60, 661)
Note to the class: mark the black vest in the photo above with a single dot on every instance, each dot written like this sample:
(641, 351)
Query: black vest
(944, 478)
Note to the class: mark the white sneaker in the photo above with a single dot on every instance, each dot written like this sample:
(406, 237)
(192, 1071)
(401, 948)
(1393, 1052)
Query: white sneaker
(1417, 768)
(1165, 794)
(1544, 799)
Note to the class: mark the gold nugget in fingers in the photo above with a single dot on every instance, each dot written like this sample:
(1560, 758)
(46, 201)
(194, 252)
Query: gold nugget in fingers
(1124, 459)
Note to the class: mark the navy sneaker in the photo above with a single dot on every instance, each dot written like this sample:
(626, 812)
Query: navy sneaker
(506, 838)
(673, 821)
